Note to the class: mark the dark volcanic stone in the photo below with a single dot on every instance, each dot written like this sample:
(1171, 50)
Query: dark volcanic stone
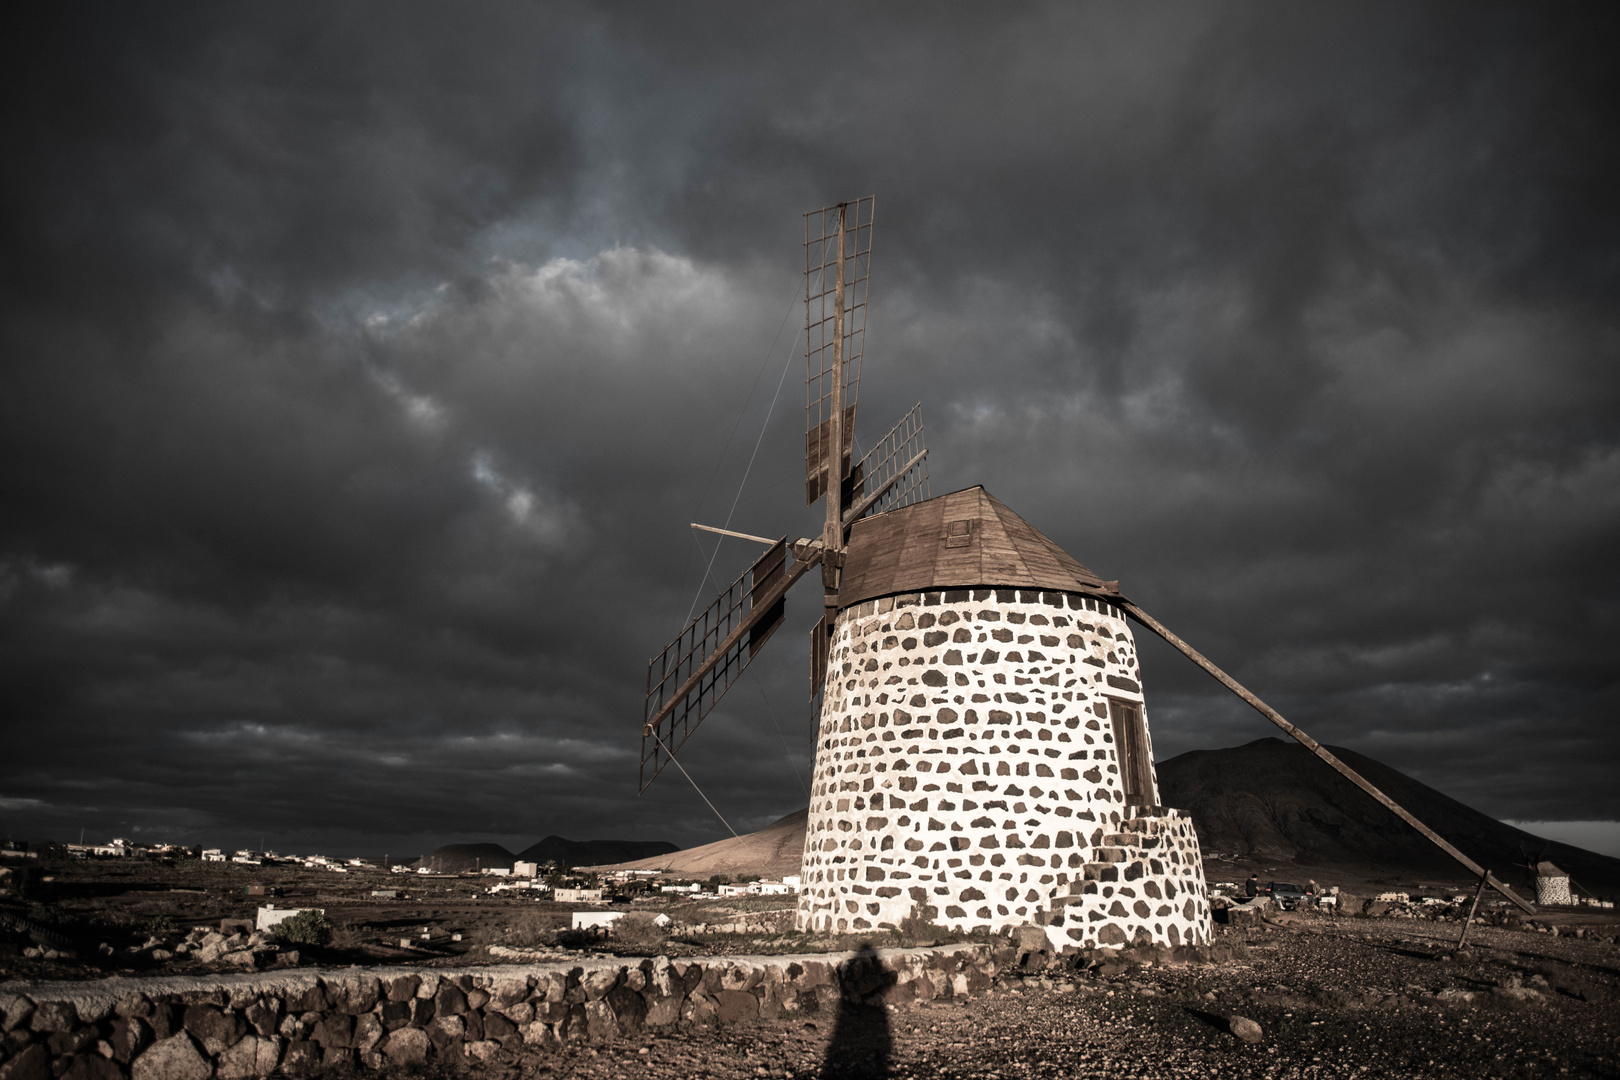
(215, 1029)
(54, 1016)
(34, 1063)
(449, 1001)
(92, 1067)
(403, 988)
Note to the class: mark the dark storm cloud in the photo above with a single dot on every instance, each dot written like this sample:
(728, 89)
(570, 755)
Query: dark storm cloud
(364, 365)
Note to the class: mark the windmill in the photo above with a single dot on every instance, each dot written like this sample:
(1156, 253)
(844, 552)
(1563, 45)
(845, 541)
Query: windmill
(982, 746)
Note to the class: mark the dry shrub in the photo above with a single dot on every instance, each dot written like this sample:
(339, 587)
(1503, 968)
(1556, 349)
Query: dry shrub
(638, 930)
(919, 927)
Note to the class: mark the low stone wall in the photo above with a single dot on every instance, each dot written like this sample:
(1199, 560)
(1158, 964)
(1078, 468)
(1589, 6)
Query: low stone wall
(237, 1027)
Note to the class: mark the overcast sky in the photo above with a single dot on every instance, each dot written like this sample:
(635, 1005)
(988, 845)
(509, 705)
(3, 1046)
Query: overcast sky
(363, 366)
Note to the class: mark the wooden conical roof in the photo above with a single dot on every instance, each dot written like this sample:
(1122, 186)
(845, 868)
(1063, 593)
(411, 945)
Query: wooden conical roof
(967, 539)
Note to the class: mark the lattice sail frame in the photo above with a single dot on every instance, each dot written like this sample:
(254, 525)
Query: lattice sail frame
(820, 289)
(671, 668)
(901, 449)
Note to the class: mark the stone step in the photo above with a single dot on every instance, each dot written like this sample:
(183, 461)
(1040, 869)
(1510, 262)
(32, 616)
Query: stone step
(1106, 854)
(1123, 839)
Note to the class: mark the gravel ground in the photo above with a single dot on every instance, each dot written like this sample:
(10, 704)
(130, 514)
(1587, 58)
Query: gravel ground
(1337, 998)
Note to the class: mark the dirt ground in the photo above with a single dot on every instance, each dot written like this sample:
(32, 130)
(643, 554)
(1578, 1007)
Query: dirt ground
(1332, 997)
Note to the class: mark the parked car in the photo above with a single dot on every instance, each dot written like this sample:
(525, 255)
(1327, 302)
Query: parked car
(1287, 895)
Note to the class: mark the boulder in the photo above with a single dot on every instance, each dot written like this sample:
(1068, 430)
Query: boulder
(263, 1016)
(303, 1058)
(368, 1031)
(130, 1034)
(449, 1001)
(335, 1031)
(34, 1063)
(91, 1066)
(402, 988)
(174, 1058)
(1245, 1030)
(53, 1016)
(732, 1006)
(407, 1046)
(213, 1028)
(447, 1032)
(252, 1057)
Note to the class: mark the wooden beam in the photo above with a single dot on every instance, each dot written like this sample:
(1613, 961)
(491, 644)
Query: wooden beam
(1321, 751)
(865, 504)
(756, 611)
(766, 540)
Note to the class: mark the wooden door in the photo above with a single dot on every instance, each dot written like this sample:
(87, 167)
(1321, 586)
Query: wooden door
(1130, 750)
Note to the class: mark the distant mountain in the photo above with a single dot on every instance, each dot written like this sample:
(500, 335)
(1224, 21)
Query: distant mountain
(593, 852)
(773, 851)
(1275, 799)
(454, 858)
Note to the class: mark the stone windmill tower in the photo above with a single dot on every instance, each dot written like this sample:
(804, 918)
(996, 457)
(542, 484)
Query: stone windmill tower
(982, 745)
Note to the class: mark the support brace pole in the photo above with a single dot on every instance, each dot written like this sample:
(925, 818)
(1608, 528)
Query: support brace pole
(1319, 750)
(1462, 939)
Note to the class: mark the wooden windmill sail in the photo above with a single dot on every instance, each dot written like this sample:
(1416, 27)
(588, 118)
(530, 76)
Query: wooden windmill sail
(885, 545)
(687, 679)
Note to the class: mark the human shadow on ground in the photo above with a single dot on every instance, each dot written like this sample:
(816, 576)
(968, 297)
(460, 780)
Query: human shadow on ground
(861, 1044)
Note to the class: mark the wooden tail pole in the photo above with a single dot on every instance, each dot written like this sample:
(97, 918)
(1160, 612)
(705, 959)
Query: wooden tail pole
(1319, 750)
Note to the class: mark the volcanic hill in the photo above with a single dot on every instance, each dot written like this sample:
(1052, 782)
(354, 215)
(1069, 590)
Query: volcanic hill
(1274, 799)
(591, 852)
(772, 852)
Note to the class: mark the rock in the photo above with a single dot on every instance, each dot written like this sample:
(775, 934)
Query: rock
(52, 1016)
(216, 1030)
(486, 1050)
(264, 1016)
(498, 1028)
(407, 1046)
(313, 999)
(449, 1001)
(174, 1058)
(736, 1005)
(368, 1031)
(395, 1014)
(91, 1067)
(34, 1063)
(1245, 1030)
(211, 953)
(357, 995)
(253, 1056)
(64, 1043)
(402, 988)
(446, 1031)
(335, 1031)
(630, 1009)
(302, 1058)
(596, 984)
(599, 1020)
(16, 1009)
(664, 1012)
